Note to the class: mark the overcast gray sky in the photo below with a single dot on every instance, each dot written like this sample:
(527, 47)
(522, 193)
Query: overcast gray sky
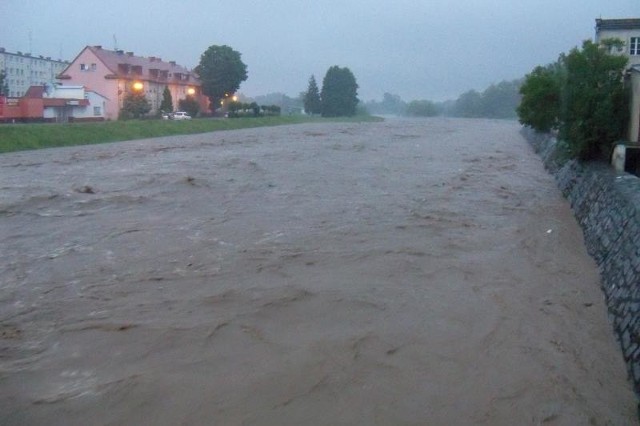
(427, 49)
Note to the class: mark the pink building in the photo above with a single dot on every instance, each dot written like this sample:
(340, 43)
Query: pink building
(114, 74)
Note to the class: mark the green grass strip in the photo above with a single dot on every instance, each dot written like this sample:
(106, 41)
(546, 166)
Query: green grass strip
(21, 137)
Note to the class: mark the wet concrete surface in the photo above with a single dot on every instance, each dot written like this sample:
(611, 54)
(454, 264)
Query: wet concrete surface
(408, 272)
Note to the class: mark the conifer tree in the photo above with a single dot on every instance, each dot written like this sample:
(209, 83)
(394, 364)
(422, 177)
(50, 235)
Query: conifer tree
(167, 101)
(312, 103)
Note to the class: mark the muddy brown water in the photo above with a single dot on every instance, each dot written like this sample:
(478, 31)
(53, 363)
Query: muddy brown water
(409, 272)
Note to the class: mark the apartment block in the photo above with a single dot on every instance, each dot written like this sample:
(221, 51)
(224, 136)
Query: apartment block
(24, 70)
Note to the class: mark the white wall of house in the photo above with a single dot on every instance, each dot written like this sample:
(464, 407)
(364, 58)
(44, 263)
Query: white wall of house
(66, 92)
(95, 109)
(625, 36)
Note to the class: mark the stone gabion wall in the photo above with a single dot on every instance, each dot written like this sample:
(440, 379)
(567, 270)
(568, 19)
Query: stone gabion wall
(607, 206)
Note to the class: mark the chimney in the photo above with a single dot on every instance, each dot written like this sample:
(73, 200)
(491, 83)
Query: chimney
(120, 52)
(130, 53)
(97, 46)
(172, 63)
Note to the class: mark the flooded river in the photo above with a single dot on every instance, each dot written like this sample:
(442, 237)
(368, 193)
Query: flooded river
(409, 272)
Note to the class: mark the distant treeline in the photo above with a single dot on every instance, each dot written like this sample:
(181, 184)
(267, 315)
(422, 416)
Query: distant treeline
(497, 101)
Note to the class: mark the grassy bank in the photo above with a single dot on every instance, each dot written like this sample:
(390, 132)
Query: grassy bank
(19, 137)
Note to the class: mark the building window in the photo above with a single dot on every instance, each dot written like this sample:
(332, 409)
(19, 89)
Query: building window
(93, 67)
(96, 111)
(83, 67)
(634, 46)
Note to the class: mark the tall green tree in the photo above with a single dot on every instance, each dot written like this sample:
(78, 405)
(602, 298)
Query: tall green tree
(312, 102)
(540, 104)
(167, 100)
(135, 105)
(583, 96)
(595, 106)
(339, 92)
(221, 72)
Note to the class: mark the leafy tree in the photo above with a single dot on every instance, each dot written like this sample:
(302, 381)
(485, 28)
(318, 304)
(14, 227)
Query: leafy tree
(167, 101)
(312, 102)
(583, 96)
(4, 84)
(190, 105)
(594, 100)
(393, 104)
(221, 71)
(501, 100)
(422, 109)
(540, 104)
(339, 92)
(135, 105)
(469, 104)
(390, 104)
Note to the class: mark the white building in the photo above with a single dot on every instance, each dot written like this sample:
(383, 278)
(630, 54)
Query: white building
(627, 30)
(23, 70)
(72, 103)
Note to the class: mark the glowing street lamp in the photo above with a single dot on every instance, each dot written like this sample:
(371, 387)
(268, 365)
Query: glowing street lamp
(191, 91)
(138, 86)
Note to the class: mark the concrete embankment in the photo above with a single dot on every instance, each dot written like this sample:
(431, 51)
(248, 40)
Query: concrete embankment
(607, 206)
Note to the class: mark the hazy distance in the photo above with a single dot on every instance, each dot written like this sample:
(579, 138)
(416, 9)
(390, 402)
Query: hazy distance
(434, 49)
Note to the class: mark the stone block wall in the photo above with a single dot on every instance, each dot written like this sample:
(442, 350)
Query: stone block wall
(607, 206)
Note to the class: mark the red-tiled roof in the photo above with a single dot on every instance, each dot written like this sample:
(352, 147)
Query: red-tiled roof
(117, 61)
(34, 92)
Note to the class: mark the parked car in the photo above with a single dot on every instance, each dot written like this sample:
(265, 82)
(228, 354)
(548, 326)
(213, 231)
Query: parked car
(180, 115)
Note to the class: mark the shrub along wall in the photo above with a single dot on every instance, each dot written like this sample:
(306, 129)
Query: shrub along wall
(607, 206)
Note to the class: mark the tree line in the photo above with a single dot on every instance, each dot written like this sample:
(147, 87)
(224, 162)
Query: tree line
(497, 101)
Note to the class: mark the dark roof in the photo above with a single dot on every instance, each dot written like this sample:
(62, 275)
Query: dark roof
(34, 92)
(617, 24)
(60, 102)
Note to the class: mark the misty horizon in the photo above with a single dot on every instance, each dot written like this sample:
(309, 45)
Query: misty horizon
(435, 50)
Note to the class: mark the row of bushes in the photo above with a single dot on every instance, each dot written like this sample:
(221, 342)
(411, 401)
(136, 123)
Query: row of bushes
(241, 109)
